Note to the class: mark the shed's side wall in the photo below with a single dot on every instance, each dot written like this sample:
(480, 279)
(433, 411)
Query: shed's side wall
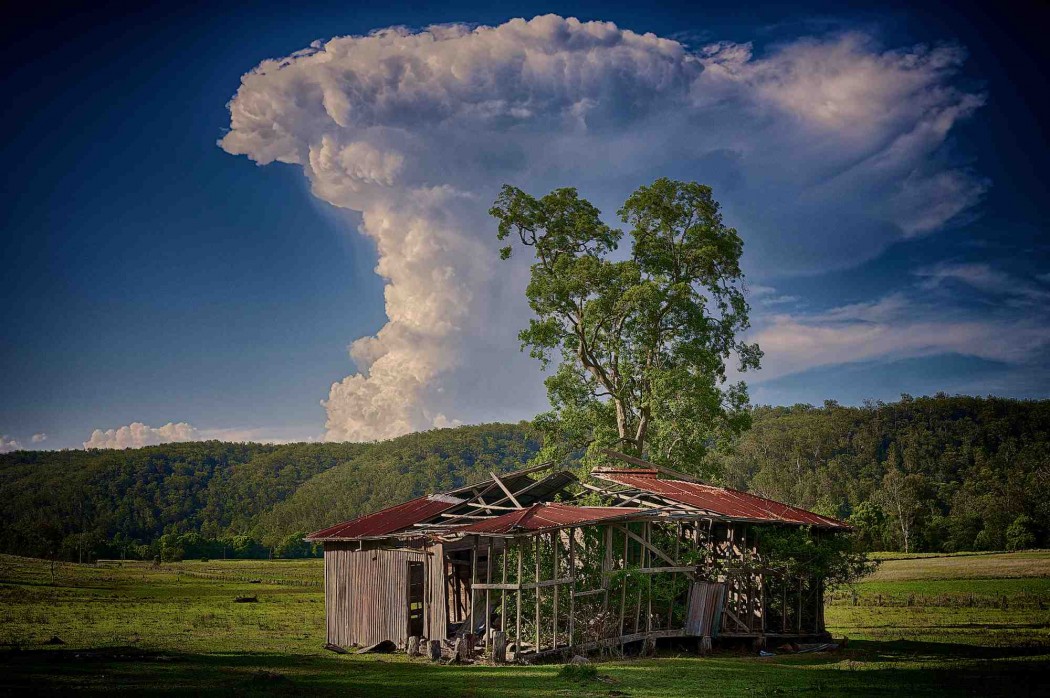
(366, 594)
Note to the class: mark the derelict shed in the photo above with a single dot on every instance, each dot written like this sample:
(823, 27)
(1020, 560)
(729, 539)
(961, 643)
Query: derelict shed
(499, 565)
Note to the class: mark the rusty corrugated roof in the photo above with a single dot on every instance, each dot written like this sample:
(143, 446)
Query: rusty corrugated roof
(719, 501)
(540, 517)
(389, 520)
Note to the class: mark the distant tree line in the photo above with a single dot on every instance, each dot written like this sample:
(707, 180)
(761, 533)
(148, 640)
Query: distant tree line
(213, 499)
(936, 474)
(921, 474)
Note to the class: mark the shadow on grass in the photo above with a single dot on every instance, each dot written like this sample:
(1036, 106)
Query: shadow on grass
(911, 650)
(867, 669)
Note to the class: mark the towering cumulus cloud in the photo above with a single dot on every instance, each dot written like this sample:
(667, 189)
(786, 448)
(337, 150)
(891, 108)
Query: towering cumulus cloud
(833, 145)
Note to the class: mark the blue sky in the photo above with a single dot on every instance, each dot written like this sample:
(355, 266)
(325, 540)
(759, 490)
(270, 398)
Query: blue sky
(154, 277)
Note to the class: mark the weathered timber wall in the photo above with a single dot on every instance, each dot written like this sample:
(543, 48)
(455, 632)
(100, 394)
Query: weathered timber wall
(366, 593)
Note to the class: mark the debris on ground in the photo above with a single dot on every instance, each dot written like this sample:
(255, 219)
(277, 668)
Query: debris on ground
(383, 646)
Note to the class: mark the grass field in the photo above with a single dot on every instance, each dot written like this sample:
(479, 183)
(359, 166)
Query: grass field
(958, 625)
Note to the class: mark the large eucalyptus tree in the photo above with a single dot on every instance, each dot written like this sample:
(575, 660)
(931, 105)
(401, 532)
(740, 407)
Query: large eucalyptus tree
(640, 342)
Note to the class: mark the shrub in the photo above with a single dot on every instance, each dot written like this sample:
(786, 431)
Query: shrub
(578, 672)
(1020, 535)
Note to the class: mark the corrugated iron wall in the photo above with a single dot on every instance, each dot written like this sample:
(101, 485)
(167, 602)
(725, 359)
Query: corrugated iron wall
(366, 593)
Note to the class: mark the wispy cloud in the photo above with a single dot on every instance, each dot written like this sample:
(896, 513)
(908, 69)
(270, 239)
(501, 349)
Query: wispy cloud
(905, 324)
(768, 296)
(39, 438)
(984, 277)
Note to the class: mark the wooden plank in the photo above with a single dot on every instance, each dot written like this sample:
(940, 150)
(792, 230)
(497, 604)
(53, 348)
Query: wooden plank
(489, 506)
(520, 492)
(572, 588)
(662, 570)
(539, 592)
(647, 546)
(649, 587)
(607, 567)
(503, 594)
(623, 590)
(517, 631)
(612, 641)
(555, 544)
(473, 585)
(732, 616)
(646, 464)
(506, 491)
(488, 600)
(674, 575)
(545, 584)
(590, 592)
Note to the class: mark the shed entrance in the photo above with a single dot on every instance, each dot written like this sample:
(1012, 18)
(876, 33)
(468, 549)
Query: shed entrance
(416, 580)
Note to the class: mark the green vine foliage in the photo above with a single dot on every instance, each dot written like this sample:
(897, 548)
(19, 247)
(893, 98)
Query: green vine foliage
(805, 552)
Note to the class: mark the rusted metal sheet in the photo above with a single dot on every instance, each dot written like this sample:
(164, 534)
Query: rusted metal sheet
(704, 608)
(388, 520)
(542, 517)
(719, 501)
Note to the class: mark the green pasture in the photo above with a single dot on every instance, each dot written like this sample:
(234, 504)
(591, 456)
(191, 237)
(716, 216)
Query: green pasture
(951, 625)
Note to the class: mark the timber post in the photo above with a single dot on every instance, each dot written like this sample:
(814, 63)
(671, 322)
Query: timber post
(499, 647)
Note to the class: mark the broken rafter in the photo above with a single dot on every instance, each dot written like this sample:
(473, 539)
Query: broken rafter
(648, 546)
(506, 491)
(625, 496)
(646, 464)
(523, 490)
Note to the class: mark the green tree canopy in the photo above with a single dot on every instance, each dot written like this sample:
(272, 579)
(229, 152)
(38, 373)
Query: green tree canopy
(641, 342)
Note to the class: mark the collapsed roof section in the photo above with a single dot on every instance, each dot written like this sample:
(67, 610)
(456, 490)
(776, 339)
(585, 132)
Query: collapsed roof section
(518, 503)
(390, 520)
(456, 509)
(720, 503)
(551, 516)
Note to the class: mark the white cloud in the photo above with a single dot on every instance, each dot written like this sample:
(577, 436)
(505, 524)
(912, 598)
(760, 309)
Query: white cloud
(137, 434)
(39, 438)
(768, 296)
(7, 444)
(824, 151)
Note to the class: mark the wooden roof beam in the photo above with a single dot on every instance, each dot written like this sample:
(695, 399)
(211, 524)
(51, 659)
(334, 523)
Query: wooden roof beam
(646, 464)
(506, 491)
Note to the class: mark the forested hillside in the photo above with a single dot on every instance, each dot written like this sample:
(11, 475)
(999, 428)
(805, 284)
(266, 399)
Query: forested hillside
(221, 499)
(923, 474)
(941, 473)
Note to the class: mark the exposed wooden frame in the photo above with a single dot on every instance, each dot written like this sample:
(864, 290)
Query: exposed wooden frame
(646, 464)
(506, 491)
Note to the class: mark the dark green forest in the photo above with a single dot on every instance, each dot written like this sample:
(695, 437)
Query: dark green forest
(214, 499)
(923, 474)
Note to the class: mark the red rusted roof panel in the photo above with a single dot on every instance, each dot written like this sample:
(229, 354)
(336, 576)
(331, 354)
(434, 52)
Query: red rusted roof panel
(540, 517)
(388, 520)
(721, 501)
